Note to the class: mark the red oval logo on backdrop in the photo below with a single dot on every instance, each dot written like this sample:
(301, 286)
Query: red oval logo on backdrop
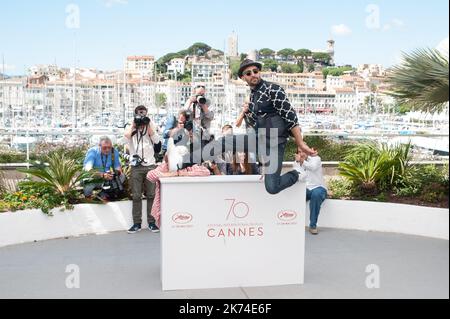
(182, 218)
(287, 215)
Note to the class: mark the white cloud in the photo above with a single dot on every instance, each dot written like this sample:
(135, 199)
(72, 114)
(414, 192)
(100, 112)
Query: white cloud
(387, 27)
(394, 24)
(443, 46)
(341, 30)
(110, 3)
(398, 23)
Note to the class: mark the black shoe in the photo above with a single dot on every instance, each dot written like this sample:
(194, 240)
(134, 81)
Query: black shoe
(153, 228)
(136, 228)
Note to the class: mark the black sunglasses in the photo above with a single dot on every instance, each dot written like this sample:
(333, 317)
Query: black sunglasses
(249, 72)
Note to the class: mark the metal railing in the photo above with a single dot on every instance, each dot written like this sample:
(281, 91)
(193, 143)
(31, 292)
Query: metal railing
(87, 136)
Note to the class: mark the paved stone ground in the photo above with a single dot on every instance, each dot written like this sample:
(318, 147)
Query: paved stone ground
(119, 265)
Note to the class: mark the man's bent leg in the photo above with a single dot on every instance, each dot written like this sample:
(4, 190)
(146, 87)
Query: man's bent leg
(275, 183)
(88, 189)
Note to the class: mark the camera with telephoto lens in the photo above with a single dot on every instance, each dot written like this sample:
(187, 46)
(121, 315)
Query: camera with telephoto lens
(201, 99)
(141, 120)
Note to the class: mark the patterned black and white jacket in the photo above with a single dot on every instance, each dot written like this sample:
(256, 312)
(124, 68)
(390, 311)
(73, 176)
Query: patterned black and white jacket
(269, 98)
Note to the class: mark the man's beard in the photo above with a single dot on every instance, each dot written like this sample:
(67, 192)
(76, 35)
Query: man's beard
(254, 81)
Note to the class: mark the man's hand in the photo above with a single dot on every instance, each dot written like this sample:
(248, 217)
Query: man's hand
(301, 157)
(309, 151)
(245, 108)
(314, 152)
(193, 99)
(108, 176)
(301, 145)
(205, 108)
(130, 130)
(150, 131)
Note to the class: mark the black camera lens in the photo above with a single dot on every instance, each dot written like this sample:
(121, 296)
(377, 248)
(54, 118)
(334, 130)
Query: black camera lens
(189, 126)
(201, 99)
(140, 120)
(146, 121)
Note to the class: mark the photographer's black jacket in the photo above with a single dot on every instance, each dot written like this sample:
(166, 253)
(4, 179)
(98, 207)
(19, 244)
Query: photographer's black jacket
(269, 98)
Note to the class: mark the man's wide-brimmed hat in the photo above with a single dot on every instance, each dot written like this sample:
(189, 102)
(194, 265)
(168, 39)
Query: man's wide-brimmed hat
(246, 63)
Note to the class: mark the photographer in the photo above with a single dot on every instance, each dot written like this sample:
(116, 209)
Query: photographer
(142, 140)
(171, 168)
(175, 129)
(200, 108)
(105, 160)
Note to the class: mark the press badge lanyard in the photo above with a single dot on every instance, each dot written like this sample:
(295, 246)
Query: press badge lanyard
(104, 162)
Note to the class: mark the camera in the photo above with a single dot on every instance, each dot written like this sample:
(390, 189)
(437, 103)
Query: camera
(189, 125)
(141, 120)
(201, 99)
(134, 160)
(114, 188)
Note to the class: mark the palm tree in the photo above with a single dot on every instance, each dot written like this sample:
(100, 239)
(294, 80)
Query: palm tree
(421, 80)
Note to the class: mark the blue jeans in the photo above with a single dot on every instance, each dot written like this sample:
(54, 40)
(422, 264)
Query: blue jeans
(275, 183)
(88, 189)
(316, 197)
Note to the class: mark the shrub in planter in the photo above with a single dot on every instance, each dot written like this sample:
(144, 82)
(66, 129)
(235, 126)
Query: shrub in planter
(4, 206)
(31, 195)
(61, 177)
(428, 183)
(340, 188)
(9, 156)
(374, 168)
(366, 172)
(434, 192)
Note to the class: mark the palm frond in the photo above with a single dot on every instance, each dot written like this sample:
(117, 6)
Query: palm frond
(422, 80)
(61, 174)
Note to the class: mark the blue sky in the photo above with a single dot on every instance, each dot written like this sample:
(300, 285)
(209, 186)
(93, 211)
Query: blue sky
(37, 32)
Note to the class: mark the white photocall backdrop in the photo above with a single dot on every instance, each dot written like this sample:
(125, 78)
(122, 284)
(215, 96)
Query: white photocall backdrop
(223, 231)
